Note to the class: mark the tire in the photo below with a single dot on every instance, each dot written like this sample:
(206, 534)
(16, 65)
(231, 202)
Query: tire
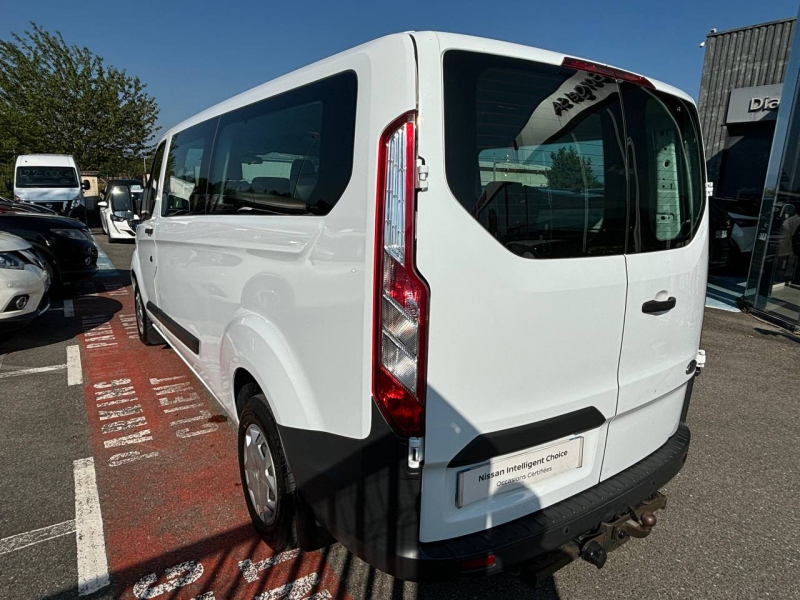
(144, 327)
(258, 433)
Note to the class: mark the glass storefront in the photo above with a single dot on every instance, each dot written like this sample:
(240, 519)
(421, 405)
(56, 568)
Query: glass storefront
(773, 284)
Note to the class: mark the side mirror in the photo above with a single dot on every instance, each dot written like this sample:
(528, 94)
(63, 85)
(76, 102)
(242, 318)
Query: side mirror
(86, 185)
(9, 185)
(102, 204)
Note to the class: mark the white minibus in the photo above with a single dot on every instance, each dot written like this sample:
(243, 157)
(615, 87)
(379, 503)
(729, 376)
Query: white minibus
(451, 292)
(50, 180)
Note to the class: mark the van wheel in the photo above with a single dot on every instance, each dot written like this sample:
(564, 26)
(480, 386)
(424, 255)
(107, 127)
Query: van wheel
(147, 333)
(265, 474)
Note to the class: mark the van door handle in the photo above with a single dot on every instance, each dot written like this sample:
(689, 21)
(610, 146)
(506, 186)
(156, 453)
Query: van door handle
(149, 231)
(657, 306)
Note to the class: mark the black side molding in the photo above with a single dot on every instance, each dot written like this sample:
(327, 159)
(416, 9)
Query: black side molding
(498, 443)
(185, 337)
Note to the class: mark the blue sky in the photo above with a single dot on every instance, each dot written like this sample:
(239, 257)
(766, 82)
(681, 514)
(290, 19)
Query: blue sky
(192, 54)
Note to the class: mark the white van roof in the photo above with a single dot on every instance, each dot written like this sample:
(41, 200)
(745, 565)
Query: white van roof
(46, 160)
(446, 40)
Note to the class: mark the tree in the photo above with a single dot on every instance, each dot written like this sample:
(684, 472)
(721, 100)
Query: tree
(570, 171)
(64, 99)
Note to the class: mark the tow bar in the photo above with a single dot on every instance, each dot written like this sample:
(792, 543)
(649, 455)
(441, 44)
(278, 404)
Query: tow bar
(594, 546)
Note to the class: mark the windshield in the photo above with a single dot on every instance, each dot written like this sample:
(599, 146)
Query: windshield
(47, 177)
(558, 163)
(122, 199)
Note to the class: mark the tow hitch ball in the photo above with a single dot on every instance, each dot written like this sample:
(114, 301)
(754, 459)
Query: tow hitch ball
(613, 535)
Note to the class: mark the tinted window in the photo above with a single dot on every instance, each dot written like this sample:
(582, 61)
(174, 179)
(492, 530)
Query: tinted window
(51, 177)
(151, 187)
(664, 155)
(535, 153)
(290, 154)
(187, 170)
(542, 172)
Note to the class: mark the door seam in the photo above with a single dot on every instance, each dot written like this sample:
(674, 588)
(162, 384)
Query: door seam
(619, 363)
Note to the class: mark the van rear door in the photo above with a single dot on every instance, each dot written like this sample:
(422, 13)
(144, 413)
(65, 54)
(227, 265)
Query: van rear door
(667, 270)
(521, 237)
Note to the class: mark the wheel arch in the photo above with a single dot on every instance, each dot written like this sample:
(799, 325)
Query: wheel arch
(253, 350)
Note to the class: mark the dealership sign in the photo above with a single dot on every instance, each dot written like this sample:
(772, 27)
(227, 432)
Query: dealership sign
(759, 103)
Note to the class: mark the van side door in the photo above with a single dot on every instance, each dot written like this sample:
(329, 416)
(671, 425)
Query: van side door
(145, 242)
(179, 280)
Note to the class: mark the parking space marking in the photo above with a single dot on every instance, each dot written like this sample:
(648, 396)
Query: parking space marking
(37, 536)
(74, 371)
(251, 570)
(69, 308)
(33, 371)
(92, 561)
(103, 262)
(161, 448)
(296, 590)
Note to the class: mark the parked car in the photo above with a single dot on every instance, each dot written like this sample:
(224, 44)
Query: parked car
(446, 380)
(117, 216)
(23, 283)
(744, 215)
(721, 252)
(65, 245)
(7, 205)
(50, 180)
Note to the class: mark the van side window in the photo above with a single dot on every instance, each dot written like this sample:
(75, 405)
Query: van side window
(543, 174)
(187, 170)
(291, 154)
(151, 187)
(664, 157)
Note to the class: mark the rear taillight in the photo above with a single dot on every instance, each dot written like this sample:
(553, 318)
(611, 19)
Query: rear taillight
(401, 295)
(590, 67)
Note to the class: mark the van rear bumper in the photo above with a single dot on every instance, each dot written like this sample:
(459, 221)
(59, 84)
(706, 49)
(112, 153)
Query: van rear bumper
(363, 494)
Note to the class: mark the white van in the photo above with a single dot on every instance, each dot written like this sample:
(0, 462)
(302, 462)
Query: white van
(451, 289)
(51, 180)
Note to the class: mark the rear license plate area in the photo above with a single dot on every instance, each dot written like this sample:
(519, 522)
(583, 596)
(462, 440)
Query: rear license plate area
(512, 472)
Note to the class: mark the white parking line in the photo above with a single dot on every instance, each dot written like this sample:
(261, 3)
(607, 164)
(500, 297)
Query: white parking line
(92, 561)
(69, 309)
(29, 538)
(74, 371)
(32, 371)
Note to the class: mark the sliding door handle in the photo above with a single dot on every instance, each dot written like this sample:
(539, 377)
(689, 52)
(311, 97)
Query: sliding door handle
(149, 231)
(657, 306)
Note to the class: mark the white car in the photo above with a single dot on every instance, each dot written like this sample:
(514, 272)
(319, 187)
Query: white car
(117, 209)
(446, 366)
(23, 283)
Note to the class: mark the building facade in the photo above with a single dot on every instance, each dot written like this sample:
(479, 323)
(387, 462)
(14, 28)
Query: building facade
(740, 92)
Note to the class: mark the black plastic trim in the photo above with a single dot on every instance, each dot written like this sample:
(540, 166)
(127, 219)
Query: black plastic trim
(185, 336)
(507, 441)
(659, 306)
(364, 495)
(688, 398)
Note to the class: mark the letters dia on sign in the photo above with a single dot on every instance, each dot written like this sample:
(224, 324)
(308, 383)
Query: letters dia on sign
(765, 103)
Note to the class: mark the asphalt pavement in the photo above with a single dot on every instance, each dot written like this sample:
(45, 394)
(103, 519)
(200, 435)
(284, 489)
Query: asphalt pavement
(170, 507)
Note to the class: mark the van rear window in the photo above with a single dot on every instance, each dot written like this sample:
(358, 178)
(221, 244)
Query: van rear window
(537, 154)
(50, 177)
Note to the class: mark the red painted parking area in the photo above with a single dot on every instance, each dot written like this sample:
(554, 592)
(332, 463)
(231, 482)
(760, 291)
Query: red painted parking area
(174, 517)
